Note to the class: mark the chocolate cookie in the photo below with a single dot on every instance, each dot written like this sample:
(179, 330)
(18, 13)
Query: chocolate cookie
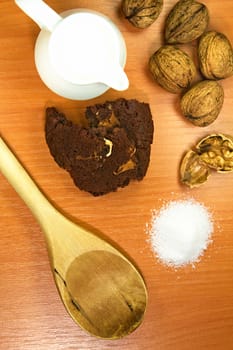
(112, 150)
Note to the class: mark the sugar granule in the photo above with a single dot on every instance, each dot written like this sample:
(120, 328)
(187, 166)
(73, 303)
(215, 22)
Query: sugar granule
(180, 232)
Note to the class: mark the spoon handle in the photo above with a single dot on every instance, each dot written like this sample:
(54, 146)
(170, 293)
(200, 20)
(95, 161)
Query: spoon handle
(23, 184)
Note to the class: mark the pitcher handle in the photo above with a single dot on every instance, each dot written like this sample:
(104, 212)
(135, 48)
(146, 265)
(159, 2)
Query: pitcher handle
(40, 12)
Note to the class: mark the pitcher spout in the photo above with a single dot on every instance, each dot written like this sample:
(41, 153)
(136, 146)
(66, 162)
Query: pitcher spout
(116, 79)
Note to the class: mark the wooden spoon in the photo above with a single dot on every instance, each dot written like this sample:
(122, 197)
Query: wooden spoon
(101, 289)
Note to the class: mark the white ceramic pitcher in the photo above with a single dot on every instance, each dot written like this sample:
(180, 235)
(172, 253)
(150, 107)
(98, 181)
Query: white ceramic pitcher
(79, 54)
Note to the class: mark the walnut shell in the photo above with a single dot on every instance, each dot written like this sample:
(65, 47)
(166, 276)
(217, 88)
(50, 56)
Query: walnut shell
(213, 152)
(203, 102)
(193, 172)
(172, 68)
(215, 55)
(187, 20)
(216, 151)
(141, 13)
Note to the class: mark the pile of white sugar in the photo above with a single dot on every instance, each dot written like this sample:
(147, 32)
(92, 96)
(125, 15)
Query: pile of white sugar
(180, 232)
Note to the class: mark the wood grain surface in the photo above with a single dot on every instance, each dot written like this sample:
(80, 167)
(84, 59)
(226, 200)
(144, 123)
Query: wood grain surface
(189, 308)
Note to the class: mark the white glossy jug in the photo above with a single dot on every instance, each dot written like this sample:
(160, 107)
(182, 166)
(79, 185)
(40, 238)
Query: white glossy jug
(79, 54)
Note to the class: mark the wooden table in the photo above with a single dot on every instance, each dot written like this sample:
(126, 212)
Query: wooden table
(189, 308)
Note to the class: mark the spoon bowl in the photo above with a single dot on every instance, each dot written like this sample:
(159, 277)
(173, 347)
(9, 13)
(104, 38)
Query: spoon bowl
(119, 300)
(101, 289)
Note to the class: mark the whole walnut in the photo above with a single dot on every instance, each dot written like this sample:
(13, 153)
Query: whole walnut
(203, 102)
(187, 20)
(172, 68)
(141, 13)
(215, 55)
